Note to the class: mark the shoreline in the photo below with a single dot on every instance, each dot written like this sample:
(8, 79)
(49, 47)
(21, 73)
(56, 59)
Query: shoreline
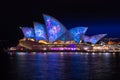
(88, 51)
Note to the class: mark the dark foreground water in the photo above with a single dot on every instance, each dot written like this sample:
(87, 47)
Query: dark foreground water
(60, 66)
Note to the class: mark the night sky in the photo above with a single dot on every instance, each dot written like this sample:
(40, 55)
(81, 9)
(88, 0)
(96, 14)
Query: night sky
(98, 16)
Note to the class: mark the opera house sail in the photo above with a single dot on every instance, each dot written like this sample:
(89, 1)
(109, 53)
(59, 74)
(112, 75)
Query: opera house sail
(78, 32)
(54, 28)
(28, 32)
(40, 31)
(93, 39)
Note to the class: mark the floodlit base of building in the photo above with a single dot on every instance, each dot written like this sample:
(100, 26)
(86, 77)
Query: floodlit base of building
(88, 51)
(32, 46)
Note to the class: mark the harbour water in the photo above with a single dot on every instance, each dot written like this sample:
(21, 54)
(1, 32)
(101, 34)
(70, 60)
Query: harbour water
(60, 66)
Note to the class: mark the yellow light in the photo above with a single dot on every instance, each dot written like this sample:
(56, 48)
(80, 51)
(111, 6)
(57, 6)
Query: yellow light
(42, 41)
(31, 39)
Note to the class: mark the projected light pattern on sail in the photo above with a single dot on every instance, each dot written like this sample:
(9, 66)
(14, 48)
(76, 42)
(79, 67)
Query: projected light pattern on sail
(93, 39)
(78, 32)
(40, 33)
(28, 32)
(67, 36)
(54, 28)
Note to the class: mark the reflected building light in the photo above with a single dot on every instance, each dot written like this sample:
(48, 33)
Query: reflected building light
(81, 53)
(33, 52)
(39, 52)
(107, 54)
(86, 53)
(61, 53)
(113, 53)
(70, 52)
(76, 52)
(21, 53)
(100, 53)
(44, 53)
(93, 53)
(11, 53)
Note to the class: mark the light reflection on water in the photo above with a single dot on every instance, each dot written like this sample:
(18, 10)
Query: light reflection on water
(63, 66)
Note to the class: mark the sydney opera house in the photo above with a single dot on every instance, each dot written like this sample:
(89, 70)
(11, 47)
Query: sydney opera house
(54, 36)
